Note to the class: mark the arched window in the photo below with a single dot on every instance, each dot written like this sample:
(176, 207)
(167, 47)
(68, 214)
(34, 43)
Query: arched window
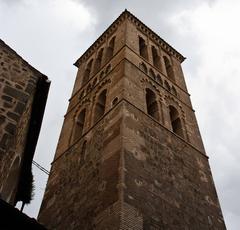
(89, 87)
(152, 74)
(82, 94)
(110, 49)
(143, 67)
(115, 101)
(98, 61)
(175, 121)
(143, 48)
(95, 81)
(87, 72)
(174, 91)
(169, 69)
(159, 79)
(156, 58)
(108, 68)
(152, 107)
(167, 86)
(79, 125)
(100, 105)
(101, 75)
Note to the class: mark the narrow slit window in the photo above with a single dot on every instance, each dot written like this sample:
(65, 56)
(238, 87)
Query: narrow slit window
(98, 61)
(143, 67)
(110, 49)
(175, 121)
(174, 91)
(167, 86)
(152, 107)
(159, 79)
(79, 125)
(156, 58)
(143, 48)
(115, 101)
(169, 69)
(100, 105)
(87, 72)
(152, 74)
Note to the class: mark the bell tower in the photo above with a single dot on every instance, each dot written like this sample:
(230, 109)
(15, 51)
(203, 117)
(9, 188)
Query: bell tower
(130, 155)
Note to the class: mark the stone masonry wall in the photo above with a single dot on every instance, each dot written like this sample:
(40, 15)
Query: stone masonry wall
(167, 181)
(17, 86)
(82, 190)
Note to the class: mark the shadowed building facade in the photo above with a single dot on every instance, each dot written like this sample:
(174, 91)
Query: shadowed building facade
(130, 155)
(23, 93)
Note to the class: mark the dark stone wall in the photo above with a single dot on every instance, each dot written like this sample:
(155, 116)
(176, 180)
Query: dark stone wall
(17, 87)
(82, 190)
(133, 174)
(166, 179)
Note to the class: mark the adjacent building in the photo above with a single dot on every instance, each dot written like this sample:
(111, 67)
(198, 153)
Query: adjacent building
(23, 95)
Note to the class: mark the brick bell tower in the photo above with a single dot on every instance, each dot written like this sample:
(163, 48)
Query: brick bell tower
(130, 155)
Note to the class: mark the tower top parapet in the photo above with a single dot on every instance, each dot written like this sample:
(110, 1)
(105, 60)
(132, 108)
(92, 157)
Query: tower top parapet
(141, 26)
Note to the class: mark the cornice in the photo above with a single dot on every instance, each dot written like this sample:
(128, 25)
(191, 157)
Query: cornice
(141, 26)
(155, 37)
(101, 39)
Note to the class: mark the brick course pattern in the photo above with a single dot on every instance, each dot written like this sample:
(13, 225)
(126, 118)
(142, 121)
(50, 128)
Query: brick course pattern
(141, 164)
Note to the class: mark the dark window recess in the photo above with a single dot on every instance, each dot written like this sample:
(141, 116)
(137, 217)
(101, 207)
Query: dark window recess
(169, 69)
(87, 72)
(98, 61)
(79, 125)
(156, 58)
(100, 105)
(152, 107)
(152, 74)
(143, 67)
(143, 48)
(115, 101)
(110, 49)
(175, 121)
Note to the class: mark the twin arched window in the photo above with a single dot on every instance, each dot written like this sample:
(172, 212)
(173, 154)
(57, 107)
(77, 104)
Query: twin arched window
(98, 113)
(153, 111)
(99, 60)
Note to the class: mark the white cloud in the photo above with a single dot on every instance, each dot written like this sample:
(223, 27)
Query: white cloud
(52, 34)
(73, 14)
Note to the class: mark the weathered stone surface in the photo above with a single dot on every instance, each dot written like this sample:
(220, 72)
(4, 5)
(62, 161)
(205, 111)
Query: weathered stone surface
(141, 164)
(17, 87)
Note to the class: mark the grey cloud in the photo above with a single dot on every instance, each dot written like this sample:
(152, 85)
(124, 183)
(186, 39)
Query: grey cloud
(53, 48)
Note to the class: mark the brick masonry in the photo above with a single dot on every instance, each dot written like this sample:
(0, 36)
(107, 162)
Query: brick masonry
(129, 169)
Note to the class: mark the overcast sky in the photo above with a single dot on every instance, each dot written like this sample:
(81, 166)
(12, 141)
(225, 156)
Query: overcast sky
(52, 34)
